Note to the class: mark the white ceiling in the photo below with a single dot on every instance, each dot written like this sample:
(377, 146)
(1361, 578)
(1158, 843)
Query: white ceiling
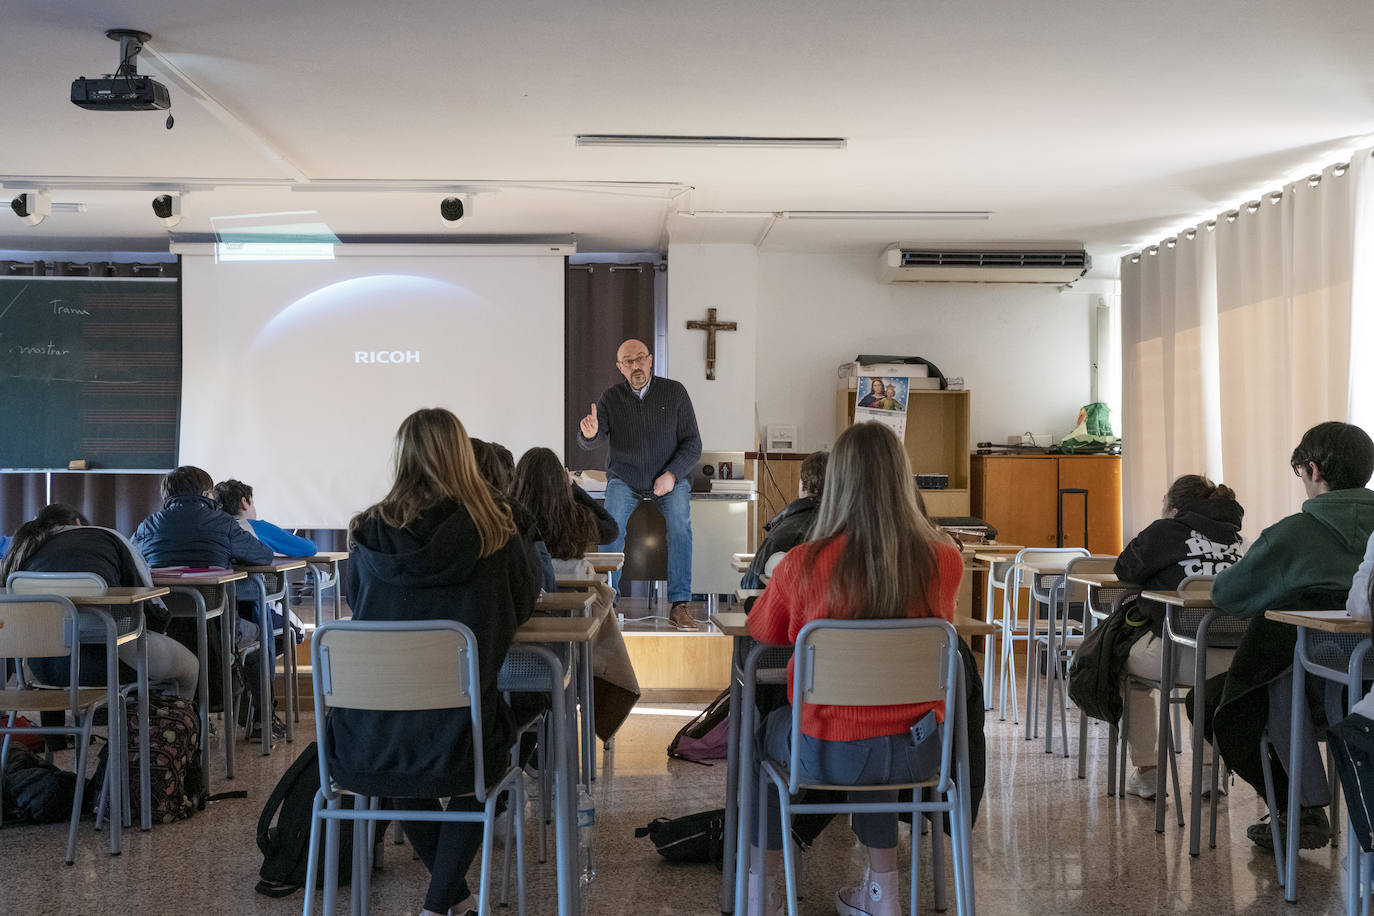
(1102, 122)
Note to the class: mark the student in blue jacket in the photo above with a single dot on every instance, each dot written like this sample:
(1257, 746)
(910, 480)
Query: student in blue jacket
(236, 498)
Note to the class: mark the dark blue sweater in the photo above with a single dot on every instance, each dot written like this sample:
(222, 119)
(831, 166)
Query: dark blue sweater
(649, 436)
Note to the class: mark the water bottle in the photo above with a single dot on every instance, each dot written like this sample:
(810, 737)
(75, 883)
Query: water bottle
(586, 821)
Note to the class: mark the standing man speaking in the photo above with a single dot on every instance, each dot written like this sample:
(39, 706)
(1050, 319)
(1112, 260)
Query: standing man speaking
(654, 442)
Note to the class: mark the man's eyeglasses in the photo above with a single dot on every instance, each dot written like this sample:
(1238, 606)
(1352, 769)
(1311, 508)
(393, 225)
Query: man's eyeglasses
(1298, 467)
(637, 361)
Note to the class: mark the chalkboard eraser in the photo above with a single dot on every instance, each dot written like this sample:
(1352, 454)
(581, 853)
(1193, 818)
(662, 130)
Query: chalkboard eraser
(76, 464)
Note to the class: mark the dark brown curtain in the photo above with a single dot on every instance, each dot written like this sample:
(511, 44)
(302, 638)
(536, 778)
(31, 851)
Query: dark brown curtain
(118, 501)
(604, 305)
(22, 494)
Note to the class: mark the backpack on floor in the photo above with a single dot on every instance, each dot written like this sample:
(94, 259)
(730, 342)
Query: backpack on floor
(35, 791)
(696, 837)
(1351, 745)
(285, 845)
(705, 737)
(1100, 661)
(174, 771)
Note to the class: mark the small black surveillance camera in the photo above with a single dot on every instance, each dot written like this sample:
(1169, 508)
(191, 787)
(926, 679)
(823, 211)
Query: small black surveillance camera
(451, 209)
(162, 206)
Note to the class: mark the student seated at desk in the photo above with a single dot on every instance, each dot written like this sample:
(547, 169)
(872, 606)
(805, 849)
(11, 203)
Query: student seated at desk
(792, 525)
(1357, 605)
(497, 467)
(191, 530)
(1197, 534)
(568, 525)
(874, 556)
(236, 499)
(439, 546)
(59, 540)
(1303, 562)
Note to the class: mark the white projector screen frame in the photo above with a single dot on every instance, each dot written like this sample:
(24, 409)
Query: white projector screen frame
(296, 374)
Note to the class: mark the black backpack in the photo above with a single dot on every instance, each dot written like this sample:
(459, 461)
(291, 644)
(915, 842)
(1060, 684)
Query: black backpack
(35, 791)
(696, 837)
(1100, 661)
(286, 846)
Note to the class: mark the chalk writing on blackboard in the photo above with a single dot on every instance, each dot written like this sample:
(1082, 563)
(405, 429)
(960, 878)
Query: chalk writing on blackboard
(47, 349)
(58, 308)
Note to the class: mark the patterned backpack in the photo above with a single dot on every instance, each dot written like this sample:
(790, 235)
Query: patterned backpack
(178, 784)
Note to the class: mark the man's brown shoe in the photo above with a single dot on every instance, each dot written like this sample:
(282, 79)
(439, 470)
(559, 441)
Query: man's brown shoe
(681, 616)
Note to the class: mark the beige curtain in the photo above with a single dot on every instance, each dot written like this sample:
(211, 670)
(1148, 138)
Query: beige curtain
(1169, 383)
(1238, 336)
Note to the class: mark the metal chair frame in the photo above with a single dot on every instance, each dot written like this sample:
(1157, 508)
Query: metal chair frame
(81, 704)
(327, 808)
(951, 784)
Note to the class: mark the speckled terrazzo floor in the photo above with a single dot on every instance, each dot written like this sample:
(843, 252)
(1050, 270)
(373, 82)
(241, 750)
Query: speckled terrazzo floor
(1045, 842)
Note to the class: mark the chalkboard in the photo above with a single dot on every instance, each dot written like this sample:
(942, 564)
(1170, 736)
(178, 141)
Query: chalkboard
(89, 368)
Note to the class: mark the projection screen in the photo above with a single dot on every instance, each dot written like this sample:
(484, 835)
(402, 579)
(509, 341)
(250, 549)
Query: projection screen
(297, 373)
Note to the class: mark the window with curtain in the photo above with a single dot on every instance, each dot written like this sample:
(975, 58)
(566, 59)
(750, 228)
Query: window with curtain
(1237, 336)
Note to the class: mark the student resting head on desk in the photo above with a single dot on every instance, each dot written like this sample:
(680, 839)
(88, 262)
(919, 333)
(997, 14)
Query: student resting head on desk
(59, 540)
(1303, 562)
(873, 556)
(439, 546)
(1197, 534)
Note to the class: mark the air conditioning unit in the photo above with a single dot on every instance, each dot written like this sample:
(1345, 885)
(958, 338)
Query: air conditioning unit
(1056, 266)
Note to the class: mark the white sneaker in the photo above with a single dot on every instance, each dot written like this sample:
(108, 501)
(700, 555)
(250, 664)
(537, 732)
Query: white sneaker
(876, 896)
(1141, 783)
(772, 904)
(1207, 782)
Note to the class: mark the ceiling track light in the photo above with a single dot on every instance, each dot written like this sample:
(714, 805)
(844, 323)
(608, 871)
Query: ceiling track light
(32, 206)
(167, 208)
(709, 141)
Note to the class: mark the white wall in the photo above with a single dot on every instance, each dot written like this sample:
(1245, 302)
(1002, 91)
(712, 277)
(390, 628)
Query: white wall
(1024, 351)
(723, 277)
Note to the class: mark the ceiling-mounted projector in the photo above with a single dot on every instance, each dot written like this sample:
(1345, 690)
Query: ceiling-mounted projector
(123, 90)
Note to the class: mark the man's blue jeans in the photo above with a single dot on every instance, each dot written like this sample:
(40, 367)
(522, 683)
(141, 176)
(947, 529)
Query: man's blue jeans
(676, 506)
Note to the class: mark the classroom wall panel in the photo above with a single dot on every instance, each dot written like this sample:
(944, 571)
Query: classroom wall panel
(1023, 351)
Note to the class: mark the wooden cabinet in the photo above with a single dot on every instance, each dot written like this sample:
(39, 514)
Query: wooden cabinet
(937, 442)
(1019, 495)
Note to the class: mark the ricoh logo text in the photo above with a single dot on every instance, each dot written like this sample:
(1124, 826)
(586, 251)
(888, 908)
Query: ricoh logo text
(386, 356)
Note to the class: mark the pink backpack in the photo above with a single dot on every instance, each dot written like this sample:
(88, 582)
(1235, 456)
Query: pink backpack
(705, 737)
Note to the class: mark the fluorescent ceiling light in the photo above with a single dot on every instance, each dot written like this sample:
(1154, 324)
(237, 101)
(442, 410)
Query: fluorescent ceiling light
(886, 214)
(286, 236)
(709, 141)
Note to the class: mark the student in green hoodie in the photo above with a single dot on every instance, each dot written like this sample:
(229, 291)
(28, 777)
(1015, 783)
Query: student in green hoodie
(1304, 561)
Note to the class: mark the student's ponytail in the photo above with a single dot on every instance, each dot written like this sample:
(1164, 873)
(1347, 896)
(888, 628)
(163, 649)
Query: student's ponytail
(1223, 492)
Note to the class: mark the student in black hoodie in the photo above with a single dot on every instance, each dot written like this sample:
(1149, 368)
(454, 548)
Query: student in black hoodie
(792, 525)
(1198, 534)
(439, 546)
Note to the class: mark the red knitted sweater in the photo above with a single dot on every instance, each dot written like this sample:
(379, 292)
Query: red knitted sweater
(790, 603)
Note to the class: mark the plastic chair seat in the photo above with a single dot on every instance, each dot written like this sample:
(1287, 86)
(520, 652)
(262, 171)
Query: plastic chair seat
(49, 700)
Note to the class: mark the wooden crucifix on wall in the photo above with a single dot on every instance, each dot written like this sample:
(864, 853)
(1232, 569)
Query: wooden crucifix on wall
(711, 326)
